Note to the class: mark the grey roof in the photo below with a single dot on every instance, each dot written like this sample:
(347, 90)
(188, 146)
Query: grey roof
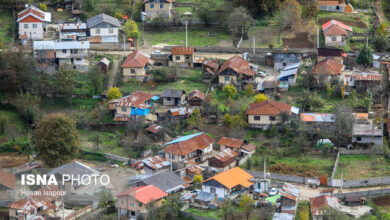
(74, 168)
(204, 196)
(95, 20)
(172, 93)
(366, 130)
(60, 45)
(166, 181)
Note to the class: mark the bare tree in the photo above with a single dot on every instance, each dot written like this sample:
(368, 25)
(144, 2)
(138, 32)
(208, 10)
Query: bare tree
(341, 131)
(239, 28)
(134, 125)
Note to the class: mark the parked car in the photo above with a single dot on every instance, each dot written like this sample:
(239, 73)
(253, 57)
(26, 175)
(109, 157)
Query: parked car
(273, 192)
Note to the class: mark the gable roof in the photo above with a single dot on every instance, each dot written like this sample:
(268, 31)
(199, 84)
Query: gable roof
(238, 65)
(136, 59)
(232, 178)
(231, 142)
(175, 93)
(7, 179)
(249, 147)
(187, 144)
(29, 203)
(74, 168)
(136, 99)
(166, 181)
(268, 107)
(290, 191)
(320, 202)
(226, 155)
(156, 162)
(328, 66)
(31, 11)
(196, 93)
(100, 18)
(334, 27)
(328, 3)
(154, 128)
(367, 77)
(144, 194)
(182, 51)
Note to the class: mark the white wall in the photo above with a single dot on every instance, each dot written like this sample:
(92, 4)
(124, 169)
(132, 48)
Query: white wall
(220, 192)
(30, 31)
(104, 32)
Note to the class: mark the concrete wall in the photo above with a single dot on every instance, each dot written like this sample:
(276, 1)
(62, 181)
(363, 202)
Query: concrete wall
(338, 40)
(367, 194)
(139, 72)
(367, 140)
(157, 10)
(30, 31)
(104, 31)
(220, 192)
(221, 79)
(264, 120)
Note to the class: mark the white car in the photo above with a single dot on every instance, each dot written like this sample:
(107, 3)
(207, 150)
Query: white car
(273, 192)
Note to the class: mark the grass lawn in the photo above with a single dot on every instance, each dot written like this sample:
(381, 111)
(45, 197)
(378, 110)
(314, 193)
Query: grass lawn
(182, 10)
(6, 20)
(362, 166)
(52, 105)
(14, 118)
(199, 38)
(108, 142)
(216, 214)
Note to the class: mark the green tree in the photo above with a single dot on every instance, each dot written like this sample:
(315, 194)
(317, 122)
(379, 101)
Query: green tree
(170, 207)
(227, 208)
(260, 98)
(249, 90)
(310, 100)
(56, 140)
(195, 119)
(96, 78)
(381, 43)
(237, 121)
(43, 6)
(27, 106)
(365, 56)
(106, 201)
(65, 81)
(382, 30)
(227, 119)
(230, 91)
(114, 93)
(246, 203)
(204, 10)
(131, 29)
(1, 44)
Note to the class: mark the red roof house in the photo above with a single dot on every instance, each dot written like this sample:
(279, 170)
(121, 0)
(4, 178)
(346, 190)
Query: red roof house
(264, 114)
(327, 69)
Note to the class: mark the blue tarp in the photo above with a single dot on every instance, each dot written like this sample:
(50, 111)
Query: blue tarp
(180, 139)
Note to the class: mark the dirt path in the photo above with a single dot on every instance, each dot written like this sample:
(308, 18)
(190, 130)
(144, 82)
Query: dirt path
(113, 76)
(379, 12)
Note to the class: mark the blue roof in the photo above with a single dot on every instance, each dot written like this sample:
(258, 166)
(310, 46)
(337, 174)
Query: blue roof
(285, 73)
(180, 139)
(155, 98)
(292, 66)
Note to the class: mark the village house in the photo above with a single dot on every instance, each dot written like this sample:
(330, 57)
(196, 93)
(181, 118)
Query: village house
(336, 54)
(7, 186)
(173, 97)
(104, 28)
(227, 183)
(289, 74)
(175, 115)
(70, 31)
(224, 160)
(320, 205)
(209, 69)
(364, 82)
(282, 60)
(156, 8)
(166, 180)
(133, 203)
(104, 65)
(135, 65)
(182, 57)
(154, 129)
(232, 143)
(135, 104)
(32, 23)
(195, 146)
(267, 113)
(335, 5)
(195, 98)
(327, 70)
(155, 164)
(51, 55)
(289, 199)
(267, 86)
(368, 133)
(235, 71)
(191, 171)
(336, 33)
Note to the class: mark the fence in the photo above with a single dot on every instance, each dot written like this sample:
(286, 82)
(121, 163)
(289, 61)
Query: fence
(336, 164)
(116, 157)
(343, 151)
(79, 213)
(367, 194)
(280, 177)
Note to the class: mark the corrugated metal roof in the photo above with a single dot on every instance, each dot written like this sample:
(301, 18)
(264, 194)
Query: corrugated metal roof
(102, 18)
(72, 26)
(55, 45)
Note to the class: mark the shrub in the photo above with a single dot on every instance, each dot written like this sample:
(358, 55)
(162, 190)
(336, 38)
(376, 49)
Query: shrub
(249, 90)
(114, 93)
(260, 98)
(230, 91)
(43, 6)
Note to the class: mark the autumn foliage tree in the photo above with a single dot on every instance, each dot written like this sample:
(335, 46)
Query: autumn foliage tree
(56, 140)
(131, 29)
(114, 93)
(291, 13)
(261, 97)
(230, 91)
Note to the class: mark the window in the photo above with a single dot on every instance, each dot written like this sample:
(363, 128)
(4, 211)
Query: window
(213, 190)
(97, 31)
(132, 213)
(256, 118)
(173, 156)
(25, 25)
(161, 5)
(64, 51)
(284, 64)
(124, 109)
(338, 7)
(177, 57)
(188, 57)
(110, 30)
(358, 138)
(151, 5)
(227, 78)
(78, 59)
(272, 118)
(35, 26)
(334, 38)
(140, 204)
(132, 71)
(74, 51)
(169, 99)
(131, 204)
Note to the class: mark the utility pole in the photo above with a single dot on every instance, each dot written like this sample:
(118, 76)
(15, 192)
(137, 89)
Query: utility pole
(254, 45)
(186, 33)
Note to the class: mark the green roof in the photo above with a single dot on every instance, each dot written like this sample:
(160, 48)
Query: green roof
(273, 199)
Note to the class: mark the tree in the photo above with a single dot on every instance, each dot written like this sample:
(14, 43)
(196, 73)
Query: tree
(12, 132)
(114, 93)
(227, 207)
(195, 119)
(311, 9)
(131, 29)
(260, 98)
(27, 106)
(381, 43)
(291, 13)
(56, 140)
(310, 100)
(341, 134)
(96, 78)
(249, 90)
(43, 6)
(65, 81)
(238, 121)
(239, 28)
(259, 7)
(134, 126)
(308, 81)
(365, 56)
(106, 201)
(204, 10)
(1, 44)
(246, 203)
(230, 91)
(164, 74)
(382, 30)
(198, 179)
(170, 207)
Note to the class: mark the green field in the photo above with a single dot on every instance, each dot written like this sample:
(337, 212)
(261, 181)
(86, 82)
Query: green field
(199, 38)
(108, 140)
(6, 20)
(362, 166)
